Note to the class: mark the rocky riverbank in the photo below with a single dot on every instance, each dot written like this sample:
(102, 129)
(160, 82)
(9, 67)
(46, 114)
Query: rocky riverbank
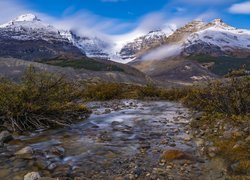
(125, 139)
(225, 141)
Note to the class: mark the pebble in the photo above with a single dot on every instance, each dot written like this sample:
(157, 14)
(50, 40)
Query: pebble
(41, 163)
(32, 176)
(212, 151)
(199, 142)
(5, 137)
(169, 167)
(172, 145)
(52, 166)
(25, 150)
(25, 153)
(247, 139)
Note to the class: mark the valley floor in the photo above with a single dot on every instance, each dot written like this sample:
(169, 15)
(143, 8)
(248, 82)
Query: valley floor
(124, 139)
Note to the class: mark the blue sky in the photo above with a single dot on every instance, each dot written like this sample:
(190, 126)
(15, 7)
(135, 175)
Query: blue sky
(128, 16)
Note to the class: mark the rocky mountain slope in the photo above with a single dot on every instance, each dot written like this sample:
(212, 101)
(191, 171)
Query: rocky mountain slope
(90, 72)
(193, 51)
(153, 38)
(93, 47)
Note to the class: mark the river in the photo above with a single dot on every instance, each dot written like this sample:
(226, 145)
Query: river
(120, 140)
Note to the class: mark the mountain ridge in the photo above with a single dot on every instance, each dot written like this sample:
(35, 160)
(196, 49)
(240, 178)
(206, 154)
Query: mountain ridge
(155, 53)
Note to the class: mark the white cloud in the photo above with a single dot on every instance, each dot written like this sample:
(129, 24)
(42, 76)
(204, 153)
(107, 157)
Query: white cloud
(10, 10)
(240, 8)
(163, 52)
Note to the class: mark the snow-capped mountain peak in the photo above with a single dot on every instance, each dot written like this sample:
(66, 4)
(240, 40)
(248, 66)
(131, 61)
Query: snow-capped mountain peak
(218, 38)
(218, 21)
(28, 21)
(155, 34)
(215, 38)
(29, 27)
(26, 17)
(219, 24)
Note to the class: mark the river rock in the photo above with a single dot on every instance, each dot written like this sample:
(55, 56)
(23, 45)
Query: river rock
(212, 151)
(107, 111)
(5, 137)
(237, 133)
(32, 176)
(234, 166)
(246, 130)
(227, 134)
(115, 123)
(238, 144)
(58, 151)
(197, 116)
(199, 142)
(247, 139)
(188, 138)
(173, 154)
(41, 163)
(25, 153)
(172, 144)
(26, 150)
(52, 166)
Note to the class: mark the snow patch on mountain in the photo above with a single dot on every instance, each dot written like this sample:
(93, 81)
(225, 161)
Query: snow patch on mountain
(222, 35)
(92, 46)
(27, 17)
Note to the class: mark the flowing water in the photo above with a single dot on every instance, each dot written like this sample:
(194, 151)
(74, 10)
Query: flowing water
(121, 139)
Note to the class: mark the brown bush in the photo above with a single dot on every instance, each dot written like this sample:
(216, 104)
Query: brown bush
(103, 91)
(41, 100)
(231, 97)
